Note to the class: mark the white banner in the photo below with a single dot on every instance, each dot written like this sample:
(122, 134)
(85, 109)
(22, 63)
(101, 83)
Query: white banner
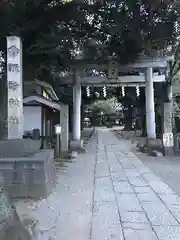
(15, 93)
(168, 140)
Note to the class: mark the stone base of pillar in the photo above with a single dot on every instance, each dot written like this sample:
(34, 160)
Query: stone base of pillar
(168, 151)
(153, 144)
(64, 154)
(77, 145)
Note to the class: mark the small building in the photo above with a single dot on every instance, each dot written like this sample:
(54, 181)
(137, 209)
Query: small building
(41, 109)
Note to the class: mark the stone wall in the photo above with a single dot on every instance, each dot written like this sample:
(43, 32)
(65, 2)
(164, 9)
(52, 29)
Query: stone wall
(31, 176)
(18, 147)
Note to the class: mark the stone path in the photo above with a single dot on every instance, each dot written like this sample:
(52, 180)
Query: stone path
(109, 194)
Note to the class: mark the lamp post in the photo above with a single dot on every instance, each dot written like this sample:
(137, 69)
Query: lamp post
(58, 141)
(101, 114)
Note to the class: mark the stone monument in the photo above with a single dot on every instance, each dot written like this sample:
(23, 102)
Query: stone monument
(14, 81)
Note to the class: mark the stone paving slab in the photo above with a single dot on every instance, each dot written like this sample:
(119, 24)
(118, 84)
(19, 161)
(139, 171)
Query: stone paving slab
(103, 211)
(175, 211)
(150, 197)
(138, 182)
(103, 230)
(132, 173)
(145, 234)
(136, 226)
(122, 187)
(118, 176)
(102, 169)
(109, 194)
(147, 189)
(160, 187)
(170, 199)
(167, 232)
(158, 214)
(105, 222)
(115, 167)
(134, 217)
(150, 177)
(151, 202)
(103, 190)
(128, 202)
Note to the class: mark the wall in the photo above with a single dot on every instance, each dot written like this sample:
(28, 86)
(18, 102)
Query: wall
(18, 147)
(32, 117)
(32, 176)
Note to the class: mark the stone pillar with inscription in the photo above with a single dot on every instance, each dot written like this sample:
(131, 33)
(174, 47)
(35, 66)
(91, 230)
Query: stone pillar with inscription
(168, 138)
(15, 94)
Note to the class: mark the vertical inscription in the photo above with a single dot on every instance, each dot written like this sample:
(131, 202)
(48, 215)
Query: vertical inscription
(113, 70)
(14, 81)
(168, 121)
(168, 139)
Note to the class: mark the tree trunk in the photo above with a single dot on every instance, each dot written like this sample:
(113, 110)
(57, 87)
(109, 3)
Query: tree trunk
(128, 123)
(144, 132)
(128, 118)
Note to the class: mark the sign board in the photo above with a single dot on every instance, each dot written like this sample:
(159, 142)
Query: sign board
(14, 81)
(57, 129)
(112, 70)
(168, 140)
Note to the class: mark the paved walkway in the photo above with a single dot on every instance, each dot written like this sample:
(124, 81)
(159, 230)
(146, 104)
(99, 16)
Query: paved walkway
(108, 193)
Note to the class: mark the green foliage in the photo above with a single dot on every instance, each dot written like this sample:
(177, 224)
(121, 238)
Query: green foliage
(108, 106)
(52, 31)
(131, 27)
(176, 109)
(47, 31)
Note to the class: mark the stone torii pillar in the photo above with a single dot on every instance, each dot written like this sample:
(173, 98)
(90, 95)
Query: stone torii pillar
(77, 110)
(77, 142)
(150, 113)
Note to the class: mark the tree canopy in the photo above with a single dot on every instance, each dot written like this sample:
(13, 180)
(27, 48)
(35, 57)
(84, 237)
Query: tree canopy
(54, 32)
(108, 106)
(47, 29)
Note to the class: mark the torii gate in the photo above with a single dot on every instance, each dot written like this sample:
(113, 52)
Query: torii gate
(145, 64)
